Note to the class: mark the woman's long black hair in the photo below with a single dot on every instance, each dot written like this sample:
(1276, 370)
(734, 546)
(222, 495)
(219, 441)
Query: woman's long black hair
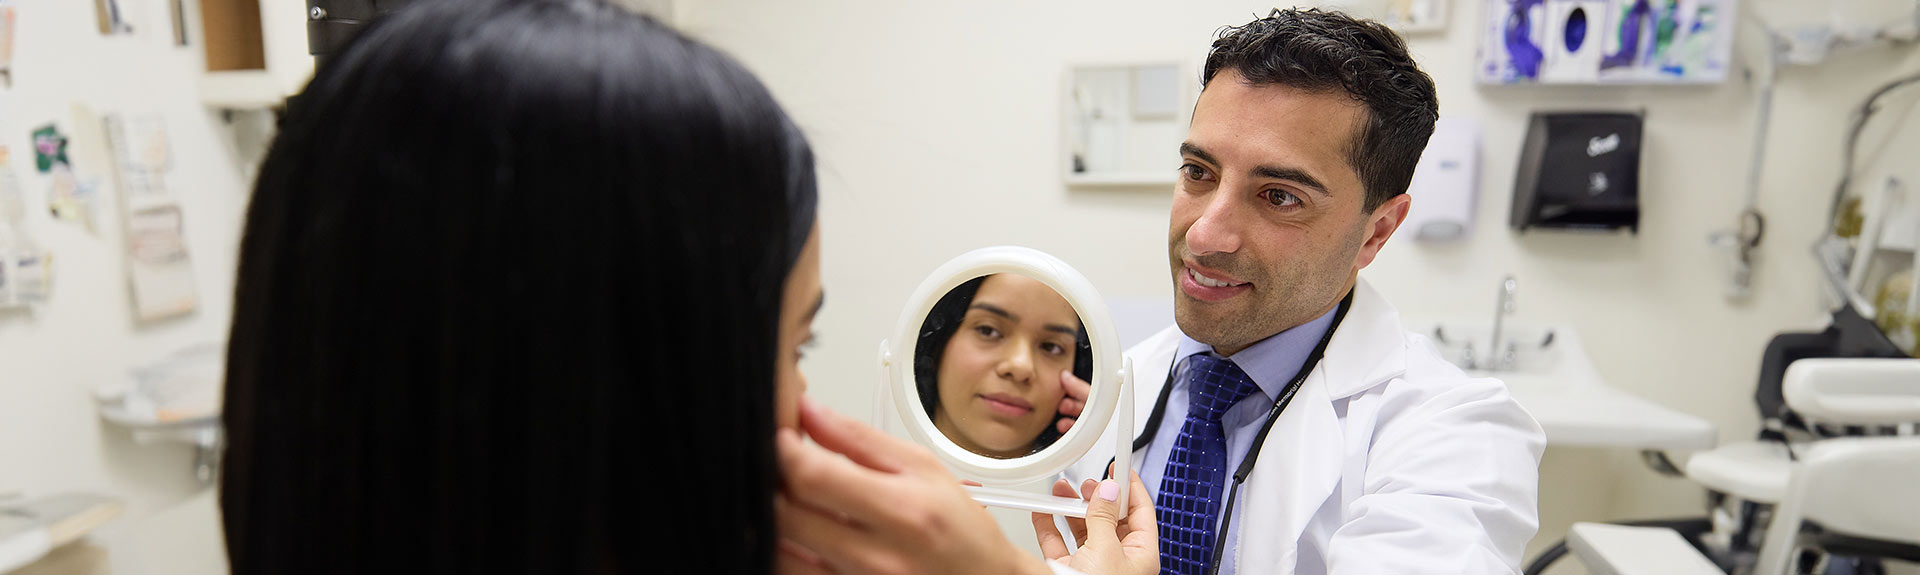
(944, 320)
(508, 302)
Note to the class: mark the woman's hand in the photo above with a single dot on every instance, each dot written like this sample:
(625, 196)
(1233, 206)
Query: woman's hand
(1108, 546)
(887, 507)
(1074, 402)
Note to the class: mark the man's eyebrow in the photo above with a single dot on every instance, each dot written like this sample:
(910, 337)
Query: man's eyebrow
(1188, 149)
(1294, 175)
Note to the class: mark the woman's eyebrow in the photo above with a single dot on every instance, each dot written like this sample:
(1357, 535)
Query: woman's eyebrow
(995, 310)
(1062, 329)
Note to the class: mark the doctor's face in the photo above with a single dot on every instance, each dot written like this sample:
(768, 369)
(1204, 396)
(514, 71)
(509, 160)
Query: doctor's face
(799, 301)
(1269, 226)
(999, 375)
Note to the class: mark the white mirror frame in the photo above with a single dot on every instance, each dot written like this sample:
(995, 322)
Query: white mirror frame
(1111, 381)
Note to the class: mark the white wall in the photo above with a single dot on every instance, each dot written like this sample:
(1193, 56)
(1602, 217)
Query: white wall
(936, 126)
(51, 439)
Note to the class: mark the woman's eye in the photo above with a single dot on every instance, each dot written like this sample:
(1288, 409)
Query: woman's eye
(987, 331)
(1280, 198)
(1053, 348)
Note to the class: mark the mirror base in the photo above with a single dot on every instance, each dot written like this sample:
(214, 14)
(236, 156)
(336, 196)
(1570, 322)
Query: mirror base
(998, 497)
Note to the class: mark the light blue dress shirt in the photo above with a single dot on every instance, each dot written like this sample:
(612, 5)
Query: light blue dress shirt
(1271, 362)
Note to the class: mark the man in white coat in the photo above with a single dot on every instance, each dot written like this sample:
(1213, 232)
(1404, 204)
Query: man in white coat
(1371, 454)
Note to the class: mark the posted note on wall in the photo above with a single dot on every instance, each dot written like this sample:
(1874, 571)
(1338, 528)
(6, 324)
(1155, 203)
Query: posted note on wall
(157, 265)
(159, 271)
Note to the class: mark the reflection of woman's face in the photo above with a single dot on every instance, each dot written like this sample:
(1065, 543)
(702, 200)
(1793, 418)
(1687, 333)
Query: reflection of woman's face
(999, 376)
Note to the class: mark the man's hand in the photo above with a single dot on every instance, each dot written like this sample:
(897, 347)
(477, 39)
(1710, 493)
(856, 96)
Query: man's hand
(887, 507)
(1074, 402)
(1108, 546)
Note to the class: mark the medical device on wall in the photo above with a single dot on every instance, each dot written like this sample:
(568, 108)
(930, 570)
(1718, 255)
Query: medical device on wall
(1804, 45)
(968, 284)
(1446, 182)
(177, 399)
(1579, 171)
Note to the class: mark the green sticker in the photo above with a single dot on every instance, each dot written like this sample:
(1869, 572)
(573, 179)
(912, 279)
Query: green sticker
(49, 149)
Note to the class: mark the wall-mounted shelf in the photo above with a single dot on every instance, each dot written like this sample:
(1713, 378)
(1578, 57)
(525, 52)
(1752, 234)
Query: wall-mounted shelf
(1118, 179)
(256, 52)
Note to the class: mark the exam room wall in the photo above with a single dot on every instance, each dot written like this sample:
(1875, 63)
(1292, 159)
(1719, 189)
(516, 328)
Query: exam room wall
(51, 439)
(937, 127)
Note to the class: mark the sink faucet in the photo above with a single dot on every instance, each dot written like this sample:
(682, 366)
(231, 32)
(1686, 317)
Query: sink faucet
(1499, 360)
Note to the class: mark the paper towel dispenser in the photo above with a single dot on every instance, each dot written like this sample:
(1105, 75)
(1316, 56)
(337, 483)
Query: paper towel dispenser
(1579, 171)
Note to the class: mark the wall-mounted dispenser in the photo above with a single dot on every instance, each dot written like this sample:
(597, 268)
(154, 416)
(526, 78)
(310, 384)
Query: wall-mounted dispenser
(1579, 171)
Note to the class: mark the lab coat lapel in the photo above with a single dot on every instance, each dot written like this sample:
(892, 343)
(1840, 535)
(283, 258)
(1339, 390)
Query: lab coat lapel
(1298, 468)
(1304, 455)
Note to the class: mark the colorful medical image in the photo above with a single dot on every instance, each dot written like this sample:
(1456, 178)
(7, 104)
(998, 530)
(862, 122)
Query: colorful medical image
(1606, 41)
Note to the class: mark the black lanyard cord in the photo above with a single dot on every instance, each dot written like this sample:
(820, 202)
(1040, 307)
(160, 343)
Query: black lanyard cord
(1240, 473)
(1279, 405)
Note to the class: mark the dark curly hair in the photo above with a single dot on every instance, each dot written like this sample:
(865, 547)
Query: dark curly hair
(1327, 51)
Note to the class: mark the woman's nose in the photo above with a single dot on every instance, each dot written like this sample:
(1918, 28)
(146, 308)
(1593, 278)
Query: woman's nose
(1017, 364)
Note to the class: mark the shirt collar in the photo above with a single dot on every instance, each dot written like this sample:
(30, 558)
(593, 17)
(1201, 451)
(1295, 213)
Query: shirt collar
(1271, 362)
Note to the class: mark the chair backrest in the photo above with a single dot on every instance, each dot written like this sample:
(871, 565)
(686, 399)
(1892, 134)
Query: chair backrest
(1858, 486)
(1855, 391)
(1782, 351)
(1848, 335)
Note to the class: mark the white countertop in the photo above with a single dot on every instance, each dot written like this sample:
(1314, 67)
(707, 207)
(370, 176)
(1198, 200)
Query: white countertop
(1563, 391)
(1602, 416)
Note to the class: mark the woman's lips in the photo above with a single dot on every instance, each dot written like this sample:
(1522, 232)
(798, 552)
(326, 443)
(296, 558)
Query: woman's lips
(1006, 405)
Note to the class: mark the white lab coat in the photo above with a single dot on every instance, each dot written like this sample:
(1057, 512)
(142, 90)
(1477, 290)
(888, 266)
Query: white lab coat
(1389, 459)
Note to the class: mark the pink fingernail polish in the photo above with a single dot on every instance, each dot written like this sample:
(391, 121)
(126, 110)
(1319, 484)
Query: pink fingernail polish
(1110, 490)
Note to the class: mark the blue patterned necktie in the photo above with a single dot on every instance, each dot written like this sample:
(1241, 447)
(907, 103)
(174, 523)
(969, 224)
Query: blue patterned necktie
(1190, 489)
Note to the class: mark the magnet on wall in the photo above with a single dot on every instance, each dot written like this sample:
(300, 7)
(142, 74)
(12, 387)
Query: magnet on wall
(49, 148)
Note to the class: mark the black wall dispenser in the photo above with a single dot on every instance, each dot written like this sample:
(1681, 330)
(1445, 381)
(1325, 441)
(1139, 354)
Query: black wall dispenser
(1579, 171)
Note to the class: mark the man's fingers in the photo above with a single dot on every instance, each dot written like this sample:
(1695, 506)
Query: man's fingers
(792, 559)
(826, 540)
(1075, 388)
(1075, 524)
(869, 447)
(817, 478)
